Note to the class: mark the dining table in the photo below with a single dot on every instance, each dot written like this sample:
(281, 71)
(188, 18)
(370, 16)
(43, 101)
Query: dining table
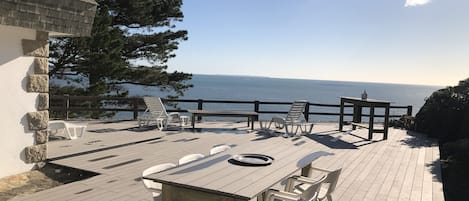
(225, 176)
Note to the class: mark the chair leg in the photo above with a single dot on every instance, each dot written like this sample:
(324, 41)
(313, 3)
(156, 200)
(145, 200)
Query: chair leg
(305, 126)
(82, 131)
(165, 124)
(70, 135)
(160, 124)
(278, 125)
(288, 133)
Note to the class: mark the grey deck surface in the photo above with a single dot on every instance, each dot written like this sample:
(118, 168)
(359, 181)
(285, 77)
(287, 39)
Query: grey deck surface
(404, 167)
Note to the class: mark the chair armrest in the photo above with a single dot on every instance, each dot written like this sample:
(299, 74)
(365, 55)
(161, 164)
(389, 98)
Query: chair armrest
(321, 169)
(285, 196)
(146, 114)
(174, 117)
(303, 179)
(293, 180)
(278, 119)
(174, 114)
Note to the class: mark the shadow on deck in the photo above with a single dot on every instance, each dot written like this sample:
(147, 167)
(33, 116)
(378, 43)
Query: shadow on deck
(404, 167)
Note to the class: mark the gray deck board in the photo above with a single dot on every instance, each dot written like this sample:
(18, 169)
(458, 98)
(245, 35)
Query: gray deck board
(404, 167)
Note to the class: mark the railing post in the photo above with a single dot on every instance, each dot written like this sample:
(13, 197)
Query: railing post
(66, 105)
(306, 112)
(256, 108)
(135, 107)
(200, 106)
(409, 110)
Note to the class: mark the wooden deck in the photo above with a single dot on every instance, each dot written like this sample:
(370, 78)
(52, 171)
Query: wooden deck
(404, 167)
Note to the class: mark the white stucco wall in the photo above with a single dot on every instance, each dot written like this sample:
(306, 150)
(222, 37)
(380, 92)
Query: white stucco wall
(15, 102)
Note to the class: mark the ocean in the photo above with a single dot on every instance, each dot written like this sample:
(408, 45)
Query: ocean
(250, 88)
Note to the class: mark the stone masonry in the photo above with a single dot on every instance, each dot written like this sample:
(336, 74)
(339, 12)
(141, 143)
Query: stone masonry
(38, 83)
(48, 18)
(36, 153)
(74, 17)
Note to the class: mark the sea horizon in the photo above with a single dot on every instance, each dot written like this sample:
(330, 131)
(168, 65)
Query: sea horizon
(314, 79)
(260, 88)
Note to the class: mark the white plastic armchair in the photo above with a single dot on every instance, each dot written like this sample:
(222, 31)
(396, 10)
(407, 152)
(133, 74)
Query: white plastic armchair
(72, 131)
(189, 158)
(329, 184)
(309, 194)
(155, 187)
(218, 149)
(156, 111)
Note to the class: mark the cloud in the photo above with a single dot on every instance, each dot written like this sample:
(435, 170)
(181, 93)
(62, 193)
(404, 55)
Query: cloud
(409, 3)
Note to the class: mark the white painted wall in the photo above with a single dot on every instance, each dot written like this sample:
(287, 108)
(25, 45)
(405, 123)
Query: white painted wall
(15, 102)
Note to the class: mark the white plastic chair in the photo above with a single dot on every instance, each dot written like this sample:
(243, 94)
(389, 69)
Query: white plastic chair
(156, 111)
(189, 158)
(69, 129)
(329, 184)
(218, 149)
(294, 120)
(309, 194)
(155, 187)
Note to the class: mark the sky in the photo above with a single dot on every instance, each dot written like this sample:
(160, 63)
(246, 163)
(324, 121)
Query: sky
(391, 41)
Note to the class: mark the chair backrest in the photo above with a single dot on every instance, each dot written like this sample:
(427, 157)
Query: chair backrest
(189, 158)
(296, 110)
(332, 178)
(218, 149)
(155, 106)
(155, 169)
(311, 193)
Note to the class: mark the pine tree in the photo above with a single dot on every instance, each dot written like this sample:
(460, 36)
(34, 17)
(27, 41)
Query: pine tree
(130, 43)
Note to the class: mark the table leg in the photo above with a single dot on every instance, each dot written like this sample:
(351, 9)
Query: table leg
(386, 122)
(372, 119)
(305, 171)
(252, 123)
(193, 120)
(341, 116)
(357, 115)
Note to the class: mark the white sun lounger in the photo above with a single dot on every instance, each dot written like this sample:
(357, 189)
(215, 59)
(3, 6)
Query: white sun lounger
(293, 121)
(72, 131)
(156, 111)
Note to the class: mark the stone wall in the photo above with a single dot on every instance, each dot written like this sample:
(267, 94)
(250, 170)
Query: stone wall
(25, 26)
(74, 17)
(38, 83)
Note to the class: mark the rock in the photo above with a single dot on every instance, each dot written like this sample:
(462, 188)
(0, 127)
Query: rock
(41, 136)
(38, 120)
(36, 153)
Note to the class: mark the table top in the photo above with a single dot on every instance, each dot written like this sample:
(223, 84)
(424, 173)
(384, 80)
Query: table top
(214, 174)
(223, 112)
(368, 100)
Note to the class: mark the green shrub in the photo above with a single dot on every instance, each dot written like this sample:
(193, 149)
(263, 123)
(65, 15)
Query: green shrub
(455, 158)
(445, 114)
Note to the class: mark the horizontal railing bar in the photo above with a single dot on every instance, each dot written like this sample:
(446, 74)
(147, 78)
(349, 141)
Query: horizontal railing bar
(136, 104)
